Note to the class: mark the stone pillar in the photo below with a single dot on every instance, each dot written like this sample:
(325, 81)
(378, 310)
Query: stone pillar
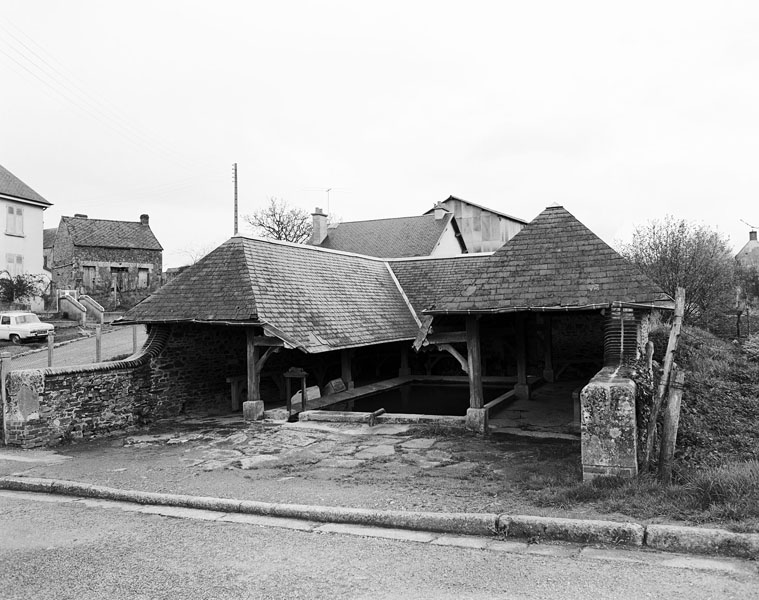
(522, 388)
(608, 426)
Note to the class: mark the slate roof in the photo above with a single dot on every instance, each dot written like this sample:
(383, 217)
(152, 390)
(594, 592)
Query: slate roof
(388, 238)
(749, 254)
(426, 280)
(48, 237)
(555, 262)
(314, 299)
(104, 233)
(12, 186)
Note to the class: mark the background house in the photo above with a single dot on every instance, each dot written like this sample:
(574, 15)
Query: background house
(116, 262)
(483, 229)
(748, 256)
(433, 234)
(22, 207)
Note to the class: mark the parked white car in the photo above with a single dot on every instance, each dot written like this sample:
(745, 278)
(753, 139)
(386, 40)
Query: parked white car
(18, 326)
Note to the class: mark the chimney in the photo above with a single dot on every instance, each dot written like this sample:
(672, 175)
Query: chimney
(440, 211)
(319, 231)
(80, 216)
(752, 236)
(144, 219)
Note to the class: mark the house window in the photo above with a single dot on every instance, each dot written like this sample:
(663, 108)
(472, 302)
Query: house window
(14, 264)
(143, 278)
(88, 277)
(15, 223)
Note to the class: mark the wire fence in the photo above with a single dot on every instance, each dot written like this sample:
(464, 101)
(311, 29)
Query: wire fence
(119, 343)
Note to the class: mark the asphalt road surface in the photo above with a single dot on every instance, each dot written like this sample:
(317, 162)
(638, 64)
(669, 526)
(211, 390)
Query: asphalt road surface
(116, 342)
(83, 550)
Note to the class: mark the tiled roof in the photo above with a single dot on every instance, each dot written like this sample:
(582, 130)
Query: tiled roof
(48, 237)
(425, 280)
(554, 262)
(317, 300)
(388, 238)
(111, 234)
(10, 185)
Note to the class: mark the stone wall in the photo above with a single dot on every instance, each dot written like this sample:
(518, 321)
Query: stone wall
(608, 425)
(181, 368)
(44, 407)
(192, 370)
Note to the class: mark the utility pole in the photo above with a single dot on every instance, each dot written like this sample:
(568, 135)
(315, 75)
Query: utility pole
(234, 178)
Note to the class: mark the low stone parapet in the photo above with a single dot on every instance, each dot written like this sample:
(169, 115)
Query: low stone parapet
(608, 425)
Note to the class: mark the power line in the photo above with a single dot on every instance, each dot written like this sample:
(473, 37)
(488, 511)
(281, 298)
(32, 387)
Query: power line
(64, 87)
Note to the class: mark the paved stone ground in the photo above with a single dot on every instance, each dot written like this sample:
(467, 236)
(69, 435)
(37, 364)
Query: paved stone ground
(385, 467)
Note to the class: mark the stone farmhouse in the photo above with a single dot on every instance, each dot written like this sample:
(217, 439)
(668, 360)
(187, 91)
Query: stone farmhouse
(253, 313)
(118, 263)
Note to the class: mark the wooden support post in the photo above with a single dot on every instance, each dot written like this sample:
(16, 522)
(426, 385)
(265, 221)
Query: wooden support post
(50, 345)
(253, 381)
(345, 364)
(548, 372)
(474, 362)
(674, 335)
(134, 339)
(671, 422)
(253, 407)
(522, 388)
(404, 370)
(98, 343)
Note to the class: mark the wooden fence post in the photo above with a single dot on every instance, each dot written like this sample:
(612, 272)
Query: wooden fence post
(669, 356)
(98, 343)
(50, 343)
(671, 422)
(134, 339)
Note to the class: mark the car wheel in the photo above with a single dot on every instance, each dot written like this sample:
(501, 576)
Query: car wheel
(15, 339)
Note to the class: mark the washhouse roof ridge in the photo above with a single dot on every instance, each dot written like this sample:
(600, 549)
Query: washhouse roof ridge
(554, 263)
(313, 300)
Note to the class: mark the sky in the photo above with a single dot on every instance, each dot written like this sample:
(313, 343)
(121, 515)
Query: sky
(620, 112)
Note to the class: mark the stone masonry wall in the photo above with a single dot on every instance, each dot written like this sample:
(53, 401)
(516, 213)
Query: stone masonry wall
(191, 372)
(44, 407)
(181, 368)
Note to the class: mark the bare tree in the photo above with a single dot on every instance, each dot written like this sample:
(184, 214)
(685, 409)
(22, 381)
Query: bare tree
(676, 253)
(280, 221)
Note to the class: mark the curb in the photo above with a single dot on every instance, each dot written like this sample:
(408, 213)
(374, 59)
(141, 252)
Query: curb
(667, 538)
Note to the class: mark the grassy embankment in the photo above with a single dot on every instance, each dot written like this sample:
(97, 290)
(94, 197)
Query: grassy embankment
(716, 479)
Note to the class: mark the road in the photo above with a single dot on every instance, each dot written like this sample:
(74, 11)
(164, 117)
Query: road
(54, 547)
(116, 342)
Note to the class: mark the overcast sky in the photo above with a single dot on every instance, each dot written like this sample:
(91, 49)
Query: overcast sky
(621, 112)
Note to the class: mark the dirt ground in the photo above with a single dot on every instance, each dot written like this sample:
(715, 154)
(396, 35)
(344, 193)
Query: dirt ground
(384, 467)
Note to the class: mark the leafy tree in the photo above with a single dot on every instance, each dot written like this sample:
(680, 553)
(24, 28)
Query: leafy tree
(280, 221)
(17, 288)
(676, 253)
